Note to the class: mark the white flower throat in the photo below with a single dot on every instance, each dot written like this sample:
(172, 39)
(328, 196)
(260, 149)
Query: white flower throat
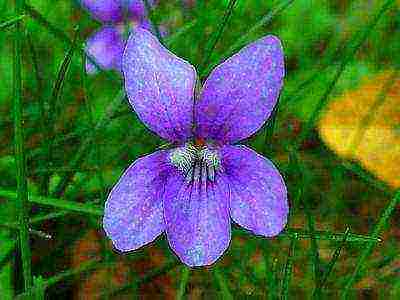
(197, 162)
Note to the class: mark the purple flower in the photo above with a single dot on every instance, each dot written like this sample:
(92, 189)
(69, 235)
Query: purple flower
(107, 44)
(192, 192)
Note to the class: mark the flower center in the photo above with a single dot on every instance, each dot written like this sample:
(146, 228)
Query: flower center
(196, 161)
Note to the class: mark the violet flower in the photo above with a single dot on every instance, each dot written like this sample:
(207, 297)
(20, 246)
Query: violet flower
(107, 44)
(192, 192)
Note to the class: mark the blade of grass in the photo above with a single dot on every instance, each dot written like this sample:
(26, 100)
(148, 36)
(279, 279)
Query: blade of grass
(184, 281)
(153, 23)
(209, 49)
(332, 262)
(302, 198)
(84, 148)
(329, 236)
(145, 278)
(22, 188)
(223, 285)
(379, 226)
(363, 35)
(367, 177)
(11, 22)
(244, 39)
(368, 118)
(51, 116)
(287, 275)
(59, 34)
(57, 203)
(269, 130)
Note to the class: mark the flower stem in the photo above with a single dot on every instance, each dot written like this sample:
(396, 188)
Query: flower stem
(22, 191)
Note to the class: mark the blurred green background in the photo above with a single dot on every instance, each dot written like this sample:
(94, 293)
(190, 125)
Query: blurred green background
(80, 134)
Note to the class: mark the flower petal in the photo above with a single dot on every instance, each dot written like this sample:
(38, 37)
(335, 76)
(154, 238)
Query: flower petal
(159, 86)
(258, 193)
(197, 219)
(240, 94)
(104, 10)
(133, 213)
(105, 47)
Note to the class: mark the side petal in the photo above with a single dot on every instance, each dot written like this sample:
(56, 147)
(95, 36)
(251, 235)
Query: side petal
(104, 10)
(105, 47)
(197, 219)
(258, 193)
(133, 213)
(159, 86)
(240, 94)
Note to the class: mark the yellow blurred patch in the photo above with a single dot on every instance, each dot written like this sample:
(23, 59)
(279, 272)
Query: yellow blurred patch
(364, 125)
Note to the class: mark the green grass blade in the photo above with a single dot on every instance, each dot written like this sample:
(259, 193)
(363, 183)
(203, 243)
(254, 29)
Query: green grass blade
(287, 275)
(214, 40)
(245, 38)
(145, 278)
(59, 34)
(22, 188)
(332, 262)
(11, 22)
(51, 115)
(368, 118)
(329, 236)
(87, 141)
(388, 211)
(223, 285)
(153, 23)
(184, 281)
(363, 35)
(57, 203)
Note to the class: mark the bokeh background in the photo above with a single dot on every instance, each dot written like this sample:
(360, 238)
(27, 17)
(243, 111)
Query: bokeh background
(335, 137)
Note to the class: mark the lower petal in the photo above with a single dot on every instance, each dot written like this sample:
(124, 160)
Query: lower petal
(105, 47)
(133, 213)
(258, 193)
(197, 219)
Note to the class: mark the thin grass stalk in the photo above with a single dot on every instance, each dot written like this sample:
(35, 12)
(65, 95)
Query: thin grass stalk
(22, 204)
(364, 33)
(153, 23)
(210, 47)
(62, 36)
(368, 118)
(145, 278)
(379, 226)
(11, 22)
(42, 109)
(287, 275)
(223, 285)
(318, 290)
(82, 208)
(245, 37)
(183, 284)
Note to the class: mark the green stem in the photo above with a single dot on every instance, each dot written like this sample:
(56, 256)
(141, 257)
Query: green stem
(58, 203)
(184, 281)
(11, 22)
(370, 246)
(335, 257)
(339, 71)
(288, 269)
(22, 190)
(213, 42)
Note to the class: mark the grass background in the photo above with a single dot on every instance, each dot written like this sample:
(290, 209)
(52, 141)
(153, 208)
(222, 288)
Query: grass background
(67, 137)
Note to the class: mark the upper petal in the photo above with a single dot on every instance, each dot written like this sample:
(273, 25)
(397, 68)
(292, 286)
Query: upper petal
(240, 94)
(105, 47)
(133, 213)
(258, 193)
(197, 219)
(159, 86)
